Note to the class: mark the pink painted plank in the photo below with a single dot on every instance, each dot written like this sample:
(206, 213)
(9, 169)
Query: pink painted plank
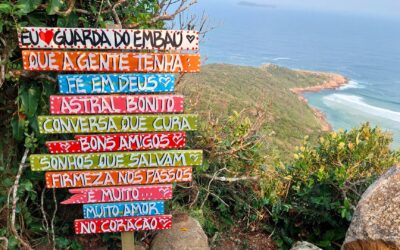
(118, 142)
(115, 104)
(119, 194)
(126, 224)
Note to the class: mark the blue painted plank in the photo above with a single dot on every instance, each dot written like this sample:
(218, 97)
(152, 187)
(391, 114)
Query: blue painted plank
(123, 209)
(115, 83)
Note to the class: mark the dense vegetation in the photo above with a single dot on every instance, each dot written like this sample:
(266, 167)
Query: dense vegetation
(324, 182)
(308, 182)
(253, 178)
(263, 95)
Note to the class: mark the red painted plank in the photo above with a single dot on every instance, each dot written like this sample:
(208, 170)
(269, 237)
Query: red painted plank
(100, 178)
(115, 104)
(127, 224)
(119, 194)
(118, 142)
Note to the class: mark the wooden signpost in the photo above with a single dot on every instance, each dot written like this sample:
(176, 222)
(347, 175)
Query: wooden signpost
(115, 83)
(119, 194)
(123, 209)
(125, 224)
(118, 142)
(129, 146)
(66, 124)
(116, 160)
(86, 61)
(67, 179)
(120, 104)
(82, 38)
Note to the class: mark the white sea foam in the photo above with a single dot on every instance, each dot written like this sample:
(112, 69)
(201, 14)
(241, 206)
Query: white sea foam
(358, 104)
(352, 85)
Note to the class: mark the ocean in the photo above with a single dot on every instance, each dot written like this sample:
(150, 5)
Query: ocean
(365, 49)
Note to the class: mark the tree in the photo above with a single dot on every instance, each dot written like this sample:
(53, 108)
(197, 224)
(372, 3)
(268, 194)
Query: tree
(29, 211)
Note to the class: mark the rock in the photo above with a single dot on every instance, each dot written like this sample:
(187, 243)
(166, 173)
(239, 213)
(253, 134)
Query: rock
(186, 233)
(304, 245)
(376, 220)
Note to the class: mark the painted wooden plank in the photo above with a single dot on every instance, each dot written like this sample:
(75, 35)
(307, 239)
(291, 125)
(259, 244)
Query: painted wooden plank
(115, 83)
(90, 38)
(118, 142)
(123, 209)
(116, 123)
(92, 61)
(119, 194)
(127, 224)
(115, 104)
(69, 179)
(139, 159)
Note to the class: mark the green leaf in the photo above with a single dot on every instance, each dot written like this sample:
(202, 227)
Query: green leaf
(12, 242)
(7, 182)
(27, 185)
(54, 6)
(18, 128)
(324, 243)
(30, 100)
(5, 8)
(34, 124)
(33, 20)
(62, 242)
(24, 7)
(68, 21)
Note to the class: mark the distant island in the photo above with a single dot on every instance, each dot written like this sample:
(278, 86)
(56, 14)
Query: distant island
(254, 4)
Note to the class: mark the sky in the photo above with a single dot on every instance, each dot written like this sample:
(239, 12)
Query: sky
(369, 7)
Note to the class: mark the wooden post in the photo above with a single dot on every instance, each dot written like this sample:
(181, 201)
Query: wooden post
(127, 238)
(128, 241)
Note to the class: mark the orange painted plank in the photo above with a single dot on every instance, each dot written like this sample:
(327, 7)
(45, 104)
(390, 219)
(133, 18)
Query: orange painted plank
(93, 61)
(102, 178)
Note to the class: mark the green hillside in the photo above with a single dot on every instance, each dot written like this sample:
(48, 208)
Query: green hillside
(222, 89)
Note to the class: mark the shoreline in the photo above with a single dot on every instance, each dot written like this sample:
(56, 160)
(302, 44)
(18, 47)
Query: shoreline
(333, 82)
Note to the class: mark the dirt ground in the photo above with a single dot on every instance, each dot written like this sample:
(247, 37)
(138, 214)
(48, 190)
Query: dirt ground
(237, 240)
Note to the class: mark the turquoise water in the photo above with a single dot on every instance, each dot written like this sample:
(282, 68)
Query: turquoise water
(365, 49)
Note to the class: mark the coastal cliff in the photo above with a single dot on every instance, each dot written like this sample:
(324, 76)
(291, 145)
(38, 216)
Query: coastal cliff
(220, 89)
(333, 81)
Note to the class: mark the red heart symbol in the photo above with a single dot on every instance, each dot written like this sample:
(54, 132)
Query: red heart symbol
(165, 222)
(164, 191)
(177, 139)
(46, 36)
(65, 146)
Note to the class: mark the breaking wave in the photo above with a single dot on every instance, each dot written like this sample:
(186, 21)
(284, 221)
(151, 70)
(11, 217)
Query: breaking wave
(352, 85)
(356, 103)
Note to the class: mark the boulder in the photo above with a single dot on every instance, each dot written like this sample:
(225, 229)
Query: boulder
(186, 233)
(376, 220)
(304, 245)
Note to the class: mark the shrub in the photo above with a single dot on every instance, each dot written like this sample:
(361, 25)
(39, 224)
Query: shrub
(225, 190)
(324, 183)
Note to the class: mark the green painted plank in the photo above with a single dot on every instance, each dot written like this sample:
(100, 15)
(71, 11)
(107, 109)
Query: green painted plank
(115, 160)
(65, 124)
